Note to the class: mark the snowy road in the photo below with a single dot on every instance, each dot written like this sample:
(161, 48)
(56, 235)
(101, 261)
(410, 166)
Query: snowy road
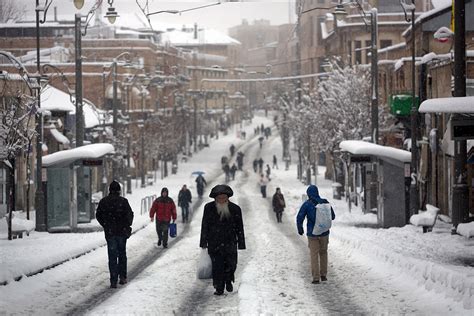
(273, 275)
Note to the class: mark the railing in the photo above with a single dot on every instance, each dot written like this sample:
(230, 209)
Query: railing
(146, 203)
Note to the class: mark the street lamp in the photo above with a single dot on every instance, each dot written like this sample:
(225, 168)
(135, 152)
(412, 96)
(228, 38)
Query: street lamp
(143, 93)
(414, 202)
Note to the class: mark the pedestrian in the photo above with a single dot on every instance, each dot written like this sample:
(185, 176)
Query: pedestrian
(262, 128)
(184, 199)
(260, 141)
(260, 165)
(226, 169)
(222, 233)
(164, 209)
(268, 171)
(200, 183)
(244, 134)
(263, 185)
(255, 164)
(275, 164)
(115, 215)
(233, 169)
(240, 160)
(319, 214)
(278, 202)
(232, 150)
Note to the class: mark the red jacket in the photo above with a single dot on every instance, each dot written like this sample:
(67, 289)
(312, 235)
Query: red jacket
(164, 209)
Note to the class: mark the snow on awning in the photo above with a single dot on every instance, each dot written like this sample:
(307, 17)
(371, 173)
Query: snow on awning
(359, 147)
(448, 105)
(65, 157)
(59, 136)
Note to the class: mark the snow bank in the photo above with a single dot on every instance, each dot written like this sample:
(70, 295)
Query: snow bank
(466, 229)
(434, 277)
(425, 218)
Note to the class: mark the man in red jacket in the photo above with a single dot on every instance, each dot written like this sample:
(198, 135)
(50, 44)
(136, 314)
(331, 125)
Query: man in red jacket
(165, 210)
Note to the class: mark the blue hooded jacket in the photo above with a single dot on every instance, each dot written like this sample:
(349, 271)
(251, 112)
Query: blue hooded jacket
(308, 209)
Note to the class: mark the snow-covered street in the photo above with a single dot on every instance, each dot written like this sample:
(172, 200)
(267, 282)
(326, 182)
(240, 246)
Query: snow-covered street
(371, 271)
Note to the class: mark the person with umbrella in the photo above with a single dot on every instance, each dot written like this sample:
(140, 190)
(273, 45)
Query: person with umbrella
(222, 233)
(200, 183)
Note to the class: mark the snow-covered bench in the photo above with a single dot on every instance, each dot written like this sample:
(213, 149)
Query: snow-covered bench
(425, 219)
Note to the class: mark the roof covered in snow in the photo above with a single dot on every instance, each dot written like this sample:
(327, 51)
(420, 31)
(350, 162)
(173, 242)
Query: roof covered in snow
(448, 105)
(53, 99)
(359, 147)
(65, 157)
(205, 37)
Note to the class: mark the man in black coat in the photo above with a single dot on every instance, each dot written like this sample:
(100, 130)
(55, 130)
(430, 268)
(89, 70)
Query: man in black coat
(222, 233)
(116, 216)
(184, 199)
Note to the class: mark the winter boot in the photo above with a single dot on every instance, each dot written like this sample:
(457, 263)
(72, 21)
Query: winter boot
(159, 242)
(315, 282)
(228, 286)
(219, 292)
(123, 281)
(113, 285)
(323, 278)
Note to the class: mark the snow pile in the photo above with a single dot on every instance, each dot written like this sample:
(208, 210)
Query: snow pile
(19, 223)
(434, 277)
(425, 218)
(466, 229)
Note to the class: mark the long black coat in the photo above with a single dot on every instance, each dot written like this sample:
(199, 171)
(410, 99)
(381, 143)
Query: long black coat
(184, 198)
(225, 235)
(115, 215)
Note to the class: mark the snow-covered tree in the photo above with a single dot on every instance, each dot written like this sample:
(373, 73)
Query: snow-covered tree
(17, 116)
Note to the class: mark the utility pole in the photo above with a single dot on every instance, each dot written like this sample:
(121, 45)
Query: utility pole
(41, 213)
(115, 110)
(460, 197)
(81, 207)
(375, 71)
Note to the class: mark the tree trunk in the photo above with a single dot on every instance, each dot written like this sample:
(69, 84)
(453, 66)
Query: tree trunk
(11, 195)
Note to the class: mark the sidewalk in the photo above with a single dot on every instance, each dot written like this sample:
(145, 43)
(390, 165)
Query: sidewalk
(41, 250)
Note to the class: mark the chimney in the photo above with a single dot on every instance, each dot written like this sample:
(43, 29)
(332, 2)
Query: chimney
(195, 31)
(55, 14)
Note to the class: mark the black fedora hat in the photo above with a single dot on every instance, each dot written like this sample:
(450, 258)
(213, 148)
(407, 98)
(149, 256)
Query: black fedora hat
(221, 189)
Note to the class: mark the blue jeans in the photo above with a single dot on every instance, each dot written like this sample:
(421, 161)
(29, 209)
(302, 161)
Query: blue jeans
(116, 248)
(185, 213)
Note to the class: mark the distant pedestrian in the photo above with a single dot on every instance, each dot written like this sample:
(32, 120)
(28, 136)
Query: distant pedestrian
(260, 165)
(233, 169)
(263, 182)
(184, 199)
(278, 203)
(319, 215)
(232, 150)
(255, 164)
(275, 162)
(260, 141)
(244, 134)
(115, 215)
(226, 169)
(200, 184)
(164, 209)
(268, 171)
(222, 233)
(240, 160)
(262, 129)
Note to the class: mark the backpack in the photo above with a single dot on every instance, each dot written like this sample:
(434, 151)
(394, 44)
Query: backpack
(323, 219)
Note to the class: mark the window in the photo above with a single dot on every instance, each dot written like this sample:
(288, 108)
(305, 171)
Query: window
(358, 53)
(367, 48)
(385, 43)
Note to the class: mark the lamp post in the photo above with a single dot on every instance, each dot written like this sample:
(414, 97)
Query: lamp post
(41, 212)
(414, 202)
(460, 197)
(143, 95)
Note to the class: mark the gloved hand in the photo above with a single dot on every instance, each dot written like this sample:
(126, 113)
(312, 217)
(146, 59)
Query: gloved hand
(300, 231)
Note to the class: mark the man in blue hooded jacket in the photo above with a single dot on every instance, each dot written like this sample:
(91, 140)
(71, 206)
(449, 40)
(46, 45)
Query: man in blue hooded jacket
(318, 244)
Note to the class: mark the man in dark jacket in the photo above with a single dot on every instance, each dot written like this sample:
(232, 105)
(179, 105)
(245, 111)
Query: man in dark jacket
(184, 199)
(116, 216)
(200, 183)
(222, 233)
(318, 244)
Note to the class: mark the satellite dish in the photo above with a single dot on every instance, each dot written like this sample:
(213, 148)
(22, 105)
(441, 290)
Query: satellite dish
(443, 34)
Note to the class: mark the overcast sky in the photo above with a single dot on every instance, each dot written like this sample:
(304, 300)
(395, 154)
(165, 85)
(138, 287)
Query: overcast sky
(219, 17)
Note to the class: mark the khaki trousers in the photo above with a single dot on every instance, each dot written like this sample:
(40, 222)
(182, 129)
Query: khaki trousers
(318, 249)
